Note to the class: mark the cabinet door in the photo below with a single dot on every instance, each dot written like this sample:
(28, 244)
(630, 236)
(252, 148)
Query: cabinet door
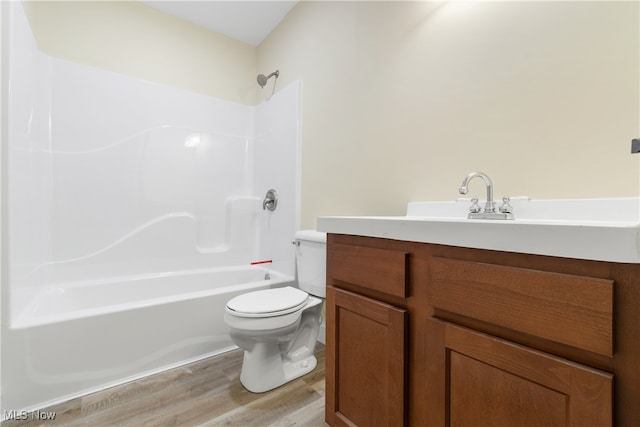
(366, 375)
(479, 380)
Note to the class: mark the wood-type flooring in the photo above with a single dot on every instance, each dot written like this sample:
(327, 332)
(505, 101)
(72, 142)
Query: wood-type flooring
(205, 393)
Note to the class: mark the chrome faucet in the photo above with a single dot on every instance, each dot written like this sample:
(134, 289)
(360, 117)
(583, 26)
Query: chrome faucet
(489, 211)
(489, 206)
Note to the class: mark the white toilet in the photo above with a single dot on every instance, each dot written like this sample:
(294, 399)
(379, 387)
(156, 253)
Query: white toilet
(278, 328)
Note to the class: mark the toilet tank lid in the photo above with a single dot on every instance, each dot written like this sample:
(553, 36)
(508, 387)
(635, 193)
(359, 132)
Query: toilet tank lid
(311, 236)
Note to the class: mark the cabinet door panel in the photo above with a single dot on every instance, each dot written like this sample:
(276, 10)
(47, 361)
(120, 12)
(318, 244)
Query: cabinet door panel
(487, 381)
(482, 395)
(366, 363)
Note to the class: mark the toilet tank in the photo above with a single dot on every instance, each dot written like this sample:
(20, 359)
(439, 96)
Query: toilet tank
(311, 261)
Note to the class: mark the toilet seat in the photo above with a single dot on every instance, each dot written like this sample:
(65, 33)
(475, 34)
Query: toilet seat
(268, 302)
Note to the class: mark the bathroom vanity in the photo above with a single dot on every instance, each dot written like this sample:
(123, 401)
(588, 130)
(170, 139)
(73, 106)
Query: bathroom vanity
(497, 330)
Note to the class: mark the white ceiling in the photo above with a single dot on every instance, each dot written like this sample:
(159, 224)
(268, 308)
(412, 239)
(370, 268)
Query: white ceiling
(247, 21)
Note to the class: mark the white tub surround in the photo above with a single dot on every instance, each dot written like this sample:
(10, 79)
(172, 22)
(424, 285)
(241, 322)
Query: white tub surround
(134, 214)
(593, 229)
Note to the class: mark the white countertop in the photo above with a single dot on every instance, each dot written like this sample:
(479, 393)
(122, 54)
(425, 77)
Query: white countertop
(593, 229)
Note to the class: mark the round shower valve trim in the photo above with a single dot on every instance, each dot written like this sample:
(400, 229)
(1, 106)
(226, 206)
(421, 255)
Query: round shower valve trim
(270, 201)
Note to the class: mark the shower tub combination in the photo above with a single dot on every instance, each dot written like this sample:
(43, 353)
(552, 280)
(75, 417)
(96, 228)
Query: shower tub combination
(134, 214)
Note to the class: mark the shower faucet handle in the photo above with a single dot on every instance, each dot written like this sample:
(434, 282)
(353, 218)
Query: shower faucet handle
(270, 201)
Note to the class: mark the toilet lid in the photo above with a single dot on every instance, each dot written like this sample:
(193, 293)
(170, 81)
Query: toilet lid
(275, 301)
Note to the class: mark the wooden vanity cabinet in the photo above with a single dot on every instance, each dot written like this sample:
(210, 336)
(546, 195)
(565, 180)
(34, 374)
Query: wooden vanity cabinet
(430, 335)
(366, 374)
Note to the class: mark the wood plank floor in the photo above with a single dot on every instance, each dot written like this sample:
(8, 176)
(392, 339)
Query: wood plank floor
(204, 393)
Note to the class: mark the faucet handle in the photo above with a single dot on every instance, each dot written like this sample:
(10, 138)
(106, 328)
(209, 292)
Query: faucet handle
(270, 201)
(506, 206)
(475, 207)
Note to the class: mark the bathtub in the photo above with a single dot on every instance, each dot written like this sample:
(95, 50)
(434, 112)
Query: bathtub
(83, 337)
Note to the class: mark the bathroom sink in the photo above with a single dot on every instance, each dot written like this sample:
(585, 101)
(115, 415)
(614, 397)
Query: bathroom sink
(613, 211)
(595, 229)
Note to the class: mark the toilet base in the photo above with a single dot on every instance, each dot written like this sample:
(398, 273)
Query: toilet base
(264, 369)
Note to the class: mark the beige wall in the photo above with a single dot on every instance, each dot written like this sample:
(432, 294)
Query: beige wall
(136, 40)
(403, 99)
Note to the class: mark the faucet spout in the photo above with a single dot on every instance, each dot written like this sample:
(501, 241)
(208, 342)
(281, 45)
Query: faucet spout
(490, 205)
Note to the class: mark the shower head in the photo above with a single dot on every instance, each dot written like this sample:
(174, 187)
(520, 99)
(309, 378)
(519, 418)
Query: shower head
(262, 79)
